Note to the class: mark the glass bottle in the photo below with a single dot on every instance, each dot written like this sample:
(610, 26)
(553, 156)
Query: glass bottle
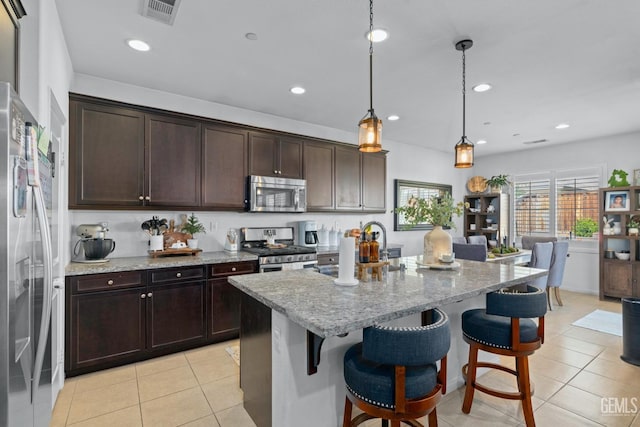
(374, 248)
(364, 249)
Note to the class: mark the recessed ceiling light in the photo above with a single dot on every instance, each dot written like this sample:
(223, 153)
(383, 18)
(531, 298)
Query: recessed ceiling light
(562, 126)
(251, 36)
(138, 45)
(481, 141)
(377, 35)
(482, 87)
(393, 117)
(298, 90)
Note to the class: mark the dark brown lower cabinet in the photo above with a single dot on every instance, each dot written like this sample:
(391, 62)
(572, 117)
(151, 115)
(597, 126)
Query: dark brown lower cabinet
(108, 327)
(118, 318)
(176, 314)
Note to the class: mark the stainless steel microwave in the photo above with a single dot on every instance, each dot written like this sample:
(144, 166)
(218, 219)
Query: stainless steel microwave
(269, 194)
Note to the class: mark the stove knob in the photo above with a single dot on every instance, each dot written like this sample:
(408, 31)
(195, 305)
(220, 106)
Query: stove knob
(290, 258)
(278, 259)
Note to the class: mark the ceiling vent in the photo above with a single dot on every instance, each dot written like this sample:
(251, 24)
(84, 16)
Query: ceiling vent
(161, 10)
(537, 141)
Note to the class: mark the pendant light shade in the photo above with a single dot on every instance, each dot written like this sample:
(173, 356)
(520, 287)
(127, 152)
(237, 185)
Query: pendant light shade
(464, 147)
(370, 127)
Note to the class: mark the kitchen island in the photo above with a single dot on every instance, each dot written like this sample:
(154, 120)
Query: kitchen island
(295, 321)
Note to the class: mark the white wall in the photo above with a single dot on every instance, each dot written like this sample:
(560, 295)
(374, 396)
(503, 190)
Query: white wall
(404, 162)
(607, 153)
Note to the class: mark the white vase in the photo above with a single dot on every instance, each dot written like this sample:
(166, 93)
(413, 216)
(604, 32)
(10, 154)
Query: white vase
(192, 243)
(436, 243)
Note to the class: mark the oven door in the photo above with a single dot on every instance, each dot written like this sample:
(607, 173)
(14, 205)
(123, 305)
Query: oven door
(267, 268)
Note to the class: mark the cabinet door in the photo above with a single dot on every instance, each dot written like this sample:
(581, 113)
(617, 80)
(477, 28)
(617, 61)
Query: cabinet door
(105, 327)
(176, 314)
(289, 159)
(106, 156)
(318, 161)
(224, 167)
(348, 175)
(374, 181)
(616, 279)
(224, 318)
(173, 169)
(262, 154)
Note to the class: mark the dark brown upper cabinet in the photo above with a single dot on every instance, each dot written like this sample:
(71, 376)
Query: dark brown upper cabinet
(106, 145)
(173, 162)
(374, 181)
(319, 171)
(225, 151)
(360, 180)
(274, 155)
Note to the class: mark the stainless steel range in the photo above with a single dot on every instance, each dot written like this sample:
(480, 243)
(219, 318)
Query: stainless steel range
(275, 249)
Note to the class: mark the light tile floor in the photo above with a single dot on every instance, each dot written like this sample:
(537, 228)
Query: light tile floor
(572, 372)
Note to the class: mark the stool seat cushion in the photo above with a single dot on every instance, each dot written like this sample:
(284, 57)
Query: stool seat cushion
(495, 331)
(374, 383)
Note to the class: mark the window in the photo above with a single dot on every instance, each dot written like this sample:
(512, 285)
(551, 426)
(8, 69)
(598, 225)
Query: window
(531, 207)
(564, 204)
(577, 206)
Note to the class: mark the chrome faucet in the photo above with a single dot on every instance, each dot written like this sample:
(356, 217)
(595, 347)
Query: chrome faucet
(384, 254)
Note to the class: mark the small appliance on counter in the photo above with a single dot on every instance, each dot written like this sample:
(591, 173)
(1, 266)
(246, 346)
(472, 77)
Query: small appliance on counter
(308, 233)
(93, 247)
(231, 242)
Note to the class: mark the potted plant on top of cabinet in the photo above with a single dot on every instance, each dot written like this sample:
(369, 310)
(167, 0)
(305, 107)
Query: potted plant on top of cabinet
(496, 183)
(193, 226)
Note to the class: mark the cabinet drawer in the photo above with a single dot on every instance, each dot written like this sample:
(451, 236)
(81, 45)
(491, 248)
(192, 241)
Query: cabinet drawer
(328, 259)
(231, 268)
(178, 274)
(101, 282)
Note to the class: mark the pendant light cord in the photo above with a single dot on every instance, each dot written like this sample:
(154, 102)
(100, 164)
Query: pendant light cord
(371, 56)
(464, 134)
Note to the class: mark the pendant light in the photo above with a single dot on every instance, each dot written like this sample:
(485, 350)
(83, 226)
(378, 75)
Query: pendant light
(464, 147)
(370, 133)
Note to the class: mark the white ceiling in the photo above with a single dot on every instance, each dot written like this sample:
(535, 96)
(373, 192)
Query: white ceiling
(550, 61)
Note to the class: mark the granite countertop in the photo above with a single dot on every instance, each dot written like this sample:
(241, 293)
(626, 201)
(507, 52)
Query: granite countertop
(313, 301)
(148, 263)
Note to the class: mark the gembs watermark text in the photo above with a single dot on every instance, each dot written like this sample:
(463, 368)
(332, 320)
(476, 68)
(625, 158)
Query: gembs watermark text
(619, 405)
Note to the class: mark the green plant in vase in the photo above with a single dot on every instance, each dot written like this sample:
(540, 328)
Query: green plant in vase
(193, 226)
(496, 182)
(633, 227)
(437, 211)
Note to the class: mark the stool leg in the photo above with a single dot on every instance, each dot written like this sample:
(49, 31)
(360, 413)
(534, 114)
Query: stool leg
(433, 418)
(385, 423)
(348, 406)
(524, 386)
(471, 379)
(549, 299)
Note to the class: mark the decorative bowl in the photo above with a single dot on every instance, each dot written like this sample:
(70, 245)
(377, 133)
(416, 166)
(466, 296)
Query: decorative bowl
(623, 255)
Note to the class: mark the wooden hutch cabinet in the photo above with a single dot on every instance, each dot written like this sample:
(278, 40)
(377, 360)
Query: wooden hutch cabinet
(488, 215)
(619, 277)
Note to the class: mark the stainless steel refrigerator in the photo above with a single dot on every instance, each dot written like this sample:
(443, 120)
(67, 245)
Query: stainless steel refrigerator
(25, 268)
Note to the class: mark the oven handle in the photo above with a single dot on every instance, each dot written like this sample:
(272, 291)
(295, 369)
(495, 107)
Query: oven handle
(287, 266)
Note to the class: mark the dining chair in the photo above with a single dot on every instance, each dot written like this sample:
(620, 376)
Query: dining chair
(541, 258)
(474, 252)
(392, 374)
(505, 328)
(529, 241)
(459, 239)
(482, 239)
(556, 270)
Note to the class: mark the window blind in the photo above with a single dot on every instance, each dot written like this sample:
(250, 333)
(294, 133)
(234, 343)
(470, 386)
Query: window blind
(531, 207)
(576, 201)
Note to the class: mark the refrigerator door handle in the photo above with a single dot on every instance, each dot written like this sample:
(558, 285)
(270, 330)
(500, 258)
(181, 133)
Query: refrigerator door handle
(47, 287)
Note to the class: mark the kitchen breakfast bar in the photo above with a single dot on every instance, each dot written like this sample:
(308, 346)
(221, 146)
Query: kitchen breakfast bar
(297, 325)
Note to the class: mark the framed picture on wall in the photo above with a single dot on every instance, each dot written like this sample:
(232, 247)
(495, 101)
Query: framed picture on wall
(409, 190)
(615, 201)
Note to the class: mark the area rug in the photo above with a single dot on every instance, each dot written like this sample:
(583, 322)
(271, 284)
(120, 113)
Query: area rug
(234, 352)
(602, 321)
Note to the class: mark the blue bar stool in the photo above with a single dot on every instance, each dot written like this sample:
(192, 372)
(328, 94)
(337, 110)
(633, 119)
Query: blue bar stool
(505, 327)
(392, 374)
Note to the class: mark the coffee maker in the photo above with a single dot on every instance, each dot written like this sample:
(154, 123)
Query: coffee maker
(307, 233)
(93, 247)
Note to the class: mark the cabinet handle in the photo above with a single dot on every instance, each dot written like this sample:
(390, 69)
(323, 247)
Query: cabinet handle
(147, 198)
(150, 294)
(233, 269)
(143, 296)
(140, 198)
(109, 282)
(178, 274)
(332, 259)
(275, 171)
